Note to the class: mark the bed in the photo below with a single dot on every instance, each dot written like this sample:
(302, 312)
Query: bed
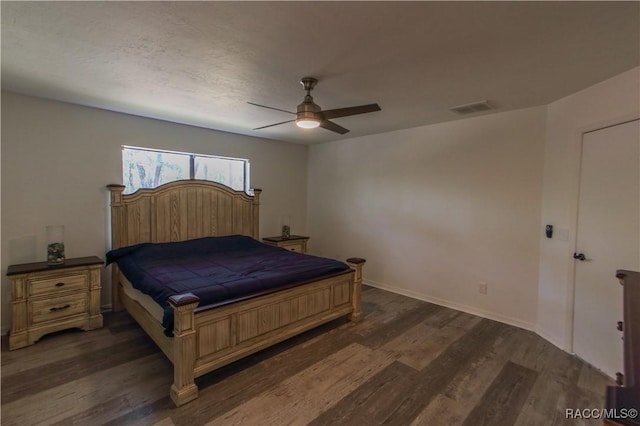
(204, 336)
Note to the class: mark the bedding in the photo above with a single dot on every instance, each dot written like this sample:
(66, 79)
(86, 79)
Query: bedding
(216, 269)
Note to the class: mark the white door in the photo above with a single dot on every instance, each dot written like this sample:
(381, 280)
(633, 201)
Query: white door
(608, 237)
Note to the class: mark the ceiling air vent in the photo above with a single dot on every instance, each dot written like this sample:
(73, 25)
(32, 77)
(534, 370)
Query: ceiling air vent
(472, 107)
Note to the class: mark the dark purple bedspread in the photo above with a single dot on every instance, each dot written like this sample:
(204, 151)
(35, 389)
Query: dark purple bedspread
(216, 269)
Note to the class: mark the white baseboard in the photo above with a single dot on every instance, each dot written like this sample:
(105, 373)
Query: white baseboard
(457, 306)
(551, 338)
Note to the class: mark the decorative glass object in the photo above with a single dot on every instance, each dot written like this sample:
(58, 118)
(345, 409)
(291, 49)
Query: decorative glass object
(286, 231)
(55, 244)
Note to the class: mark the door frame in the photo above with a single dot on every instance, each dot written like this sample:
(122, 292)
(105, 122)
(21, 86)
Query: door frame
(571, 290)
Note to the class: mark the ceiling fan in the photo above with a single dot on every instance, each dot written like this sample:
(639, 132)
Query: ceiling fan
(309, 114)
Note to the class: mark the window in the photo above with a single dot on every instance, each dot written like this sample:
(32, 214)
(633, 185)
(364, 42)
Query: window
(149, 168)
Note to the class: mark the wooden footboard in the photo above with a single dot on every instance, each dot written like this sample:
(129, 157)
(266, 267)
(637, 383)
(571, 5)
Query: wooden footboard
(207, 339)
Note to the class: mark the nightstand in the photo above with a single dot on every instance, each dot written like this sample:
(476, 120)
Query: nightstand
(295, 243)
(52, 298)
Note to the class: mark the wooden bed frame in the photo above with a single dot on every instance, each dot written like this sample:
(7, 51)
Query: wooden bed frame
(208, 337)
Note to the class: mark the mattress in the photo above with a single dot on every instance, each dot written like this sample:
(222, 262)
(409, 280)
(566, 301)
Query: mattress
(146, 301)
(216, 269)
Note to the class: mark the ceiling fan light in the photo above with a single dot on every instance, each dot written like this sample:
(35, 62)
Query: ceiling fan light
(307, 123)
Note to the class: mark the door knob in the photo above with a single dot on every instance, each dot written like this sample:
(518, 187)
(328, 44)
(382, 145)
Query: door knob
(580, 256)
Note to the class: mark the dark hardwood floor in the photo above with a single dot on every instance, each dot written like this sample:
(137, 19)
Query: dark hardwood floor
(407, 363)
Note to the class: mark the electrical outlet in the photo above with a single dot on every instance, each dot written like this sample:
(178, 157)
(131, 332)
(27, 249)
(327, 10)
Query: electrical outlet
(482, 287)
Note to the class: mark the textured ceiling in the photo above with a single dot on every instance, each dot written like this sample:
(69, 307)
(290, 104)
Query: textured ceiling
(198, 63)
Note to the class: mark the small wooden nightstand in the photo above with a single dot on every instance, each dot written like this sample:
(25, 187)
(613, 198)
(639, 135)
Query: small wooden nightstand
(295, 243)
(52, 298)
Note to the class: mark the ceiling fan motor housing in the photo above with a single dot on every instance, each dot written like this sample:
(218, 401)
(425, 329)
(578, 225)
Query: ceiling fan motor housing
(308, 108)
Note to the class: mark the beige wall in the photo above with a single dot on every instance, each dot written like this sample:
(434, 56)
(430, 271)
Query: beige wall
(435, 210)
(610, 102)
(57, 159)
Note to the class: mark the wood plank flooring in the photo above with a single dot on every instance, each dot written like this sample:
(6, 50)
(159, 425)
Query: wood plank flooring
(407, 363)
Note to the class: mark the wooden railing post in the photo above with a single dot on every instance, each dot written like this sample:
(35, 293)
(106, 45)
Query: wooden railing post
(184, 388)
(356, 264)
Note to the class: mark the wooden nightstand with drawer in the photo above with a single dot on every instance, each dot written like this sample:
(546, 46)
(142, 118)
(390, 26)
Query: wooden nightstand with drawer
(295, 243)
(52, 298)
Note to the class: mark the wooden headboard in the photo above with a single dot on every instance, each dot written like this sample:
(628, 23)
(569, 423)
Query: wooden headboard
(181, 210)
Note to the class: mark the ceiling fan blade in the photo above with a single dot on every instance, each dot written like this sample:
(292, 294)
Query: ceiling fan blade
(330, 125)
(276, 124)
(345, 112)
(277, 109)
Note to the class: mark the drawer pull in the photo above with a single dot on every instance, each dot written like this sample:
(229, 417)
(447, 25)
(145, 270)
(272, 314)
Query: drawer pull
(59, 284)
(61, 308)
